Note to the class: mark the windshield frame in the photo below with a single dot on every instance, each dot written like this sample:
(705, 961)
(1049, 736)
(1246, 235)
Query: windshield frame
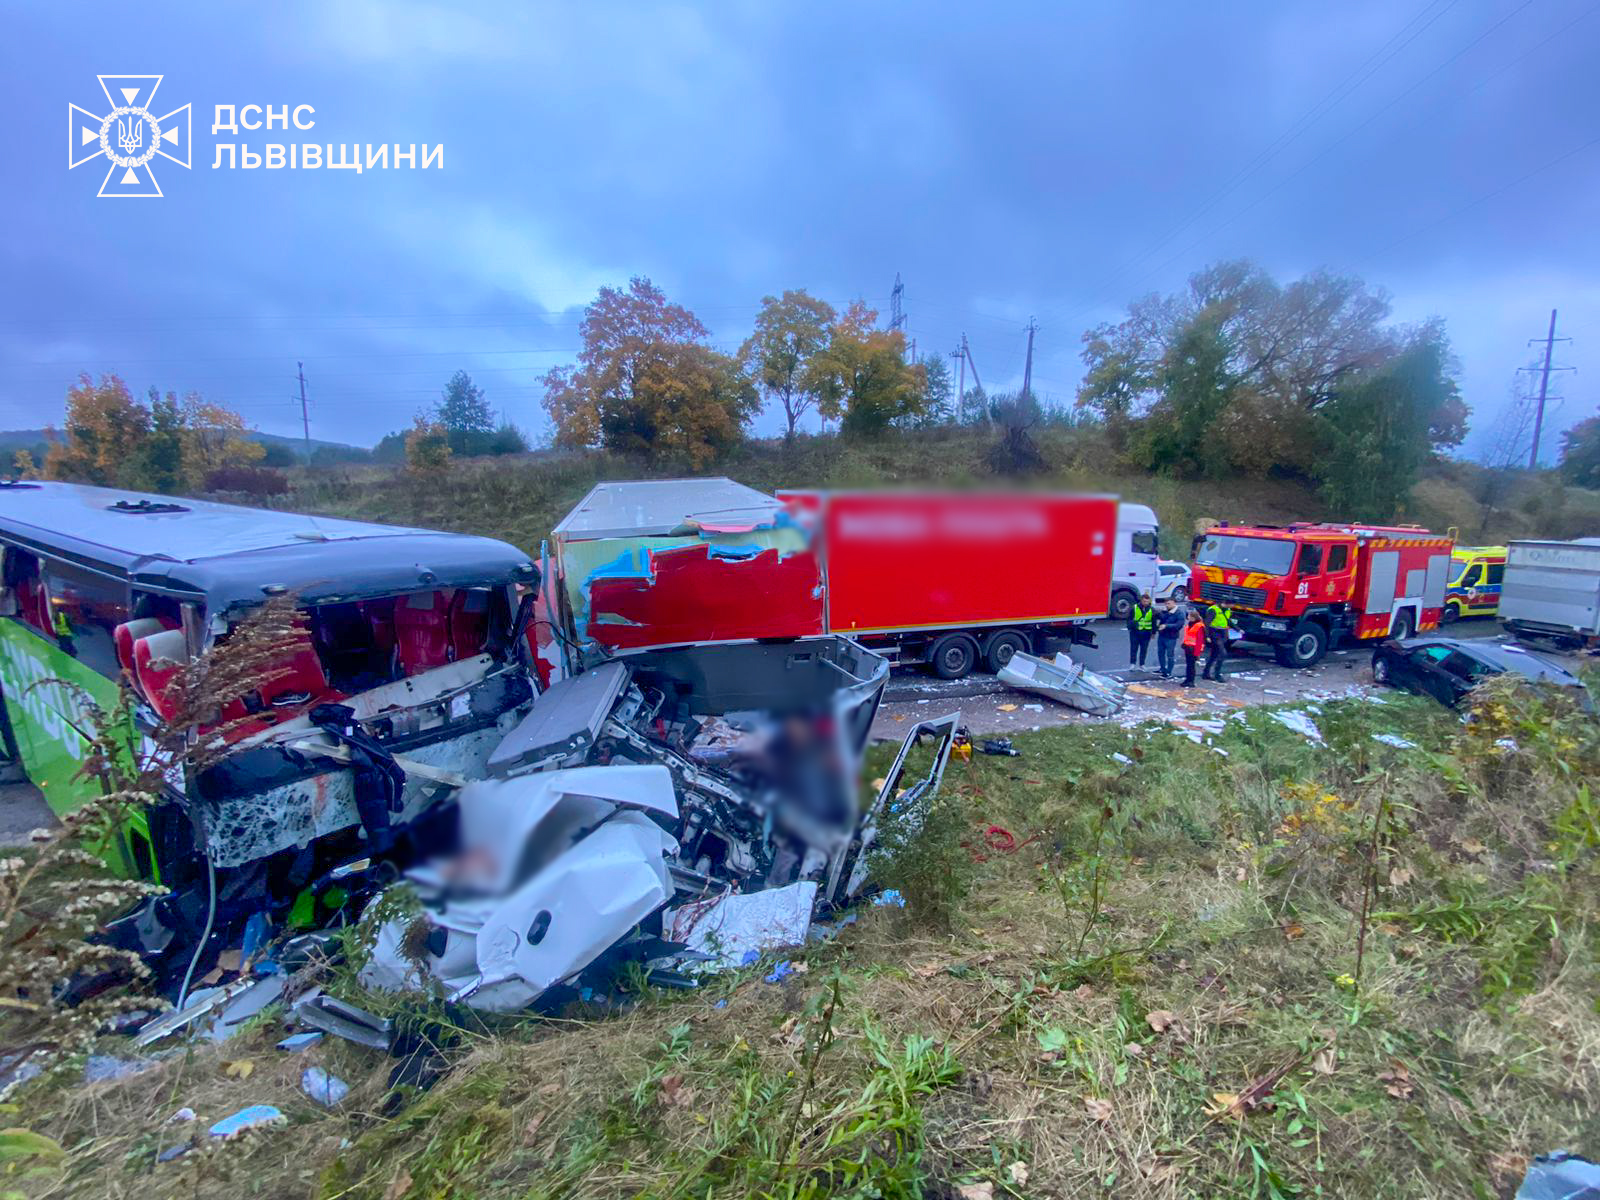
(1233, 553)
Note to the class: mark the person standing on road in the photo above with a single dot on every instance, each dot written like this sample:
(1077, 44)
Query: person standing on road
(1216, 640)
(1194, 644)
(1141, 624)
(1169, 626)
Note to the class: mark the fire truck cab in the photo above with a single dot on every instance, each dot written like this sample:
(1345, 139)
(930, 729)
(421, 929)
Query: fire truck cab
(1303, 588)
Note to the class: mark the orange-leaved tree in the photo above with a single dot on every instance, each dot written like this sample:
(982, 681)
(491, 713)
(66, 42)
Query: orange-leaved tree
(646, 383)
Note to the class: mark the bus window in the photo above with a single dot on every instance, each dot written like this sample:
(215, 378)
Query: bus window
(22, 577)
(84, 609)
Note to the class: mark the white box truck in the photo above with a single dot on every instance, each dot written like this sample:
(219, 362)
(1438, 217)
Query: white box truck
(1552, 590)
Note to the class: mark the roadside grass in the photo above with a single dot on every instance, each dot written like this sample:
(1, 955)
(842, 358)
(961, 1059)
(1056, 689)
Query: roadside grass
(1143, 983)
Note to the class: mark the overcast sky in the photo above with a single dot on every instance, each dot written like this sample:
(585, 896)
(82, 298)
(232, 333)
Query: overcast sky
(1008, 161)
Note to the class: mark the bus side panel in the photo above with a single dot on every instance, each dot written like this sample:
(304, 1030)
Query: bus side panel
(907, 561)
(52, 731)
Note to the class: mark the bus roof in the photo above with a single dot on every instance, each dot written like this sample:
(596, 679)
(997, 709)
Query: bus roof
(233, 555)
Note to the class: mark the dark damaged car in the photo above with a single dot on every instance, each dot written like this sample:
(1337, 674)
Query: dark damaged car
(1447, 669)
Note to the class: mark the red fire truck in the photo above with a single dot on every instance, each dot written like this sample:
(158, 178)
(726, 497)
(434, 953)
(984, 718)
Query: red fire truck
(1303, 588)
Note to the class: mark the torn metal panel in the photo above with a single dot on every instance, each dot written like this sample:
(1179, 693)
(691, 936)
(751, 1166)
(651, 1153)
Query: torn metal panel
(561, 727)
(729, 928)
(1065, 682)
(944, 730)
(667, 506)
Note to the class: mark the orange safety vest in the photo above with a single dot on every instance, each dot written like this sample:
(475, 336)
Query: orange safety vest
(1194, 637)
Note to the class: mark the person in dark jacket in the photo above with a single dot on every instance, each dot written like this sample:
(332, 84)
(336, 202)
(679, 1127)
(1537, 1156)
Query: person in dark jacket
(1216, 641)
(1169, 627)
(1194, 645)
(1141, 625)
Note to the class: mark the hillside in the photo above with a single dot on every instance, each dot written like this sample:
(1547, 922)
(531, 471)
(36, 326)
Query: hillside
(520, 497)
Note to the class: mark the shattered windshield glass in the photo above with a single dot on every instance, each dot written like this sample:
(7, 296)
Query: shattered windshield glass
(1270, 556)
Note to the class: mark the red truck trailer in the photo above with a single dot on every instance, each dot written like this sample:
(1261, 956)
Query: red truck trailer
(1303, 588)
(950, 579)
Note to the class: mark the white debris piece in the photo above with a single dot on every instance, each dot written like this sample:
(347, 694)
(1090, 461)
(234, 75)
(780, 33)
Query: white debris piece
(730, 927)
(1297, 720)
(1395, 740)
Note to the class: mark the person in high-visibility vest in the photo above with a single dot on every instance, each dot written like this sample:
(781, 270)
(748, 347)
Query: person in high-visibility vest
(1194, 644)
(1216, 641)
(1141, 626)
(62, 628)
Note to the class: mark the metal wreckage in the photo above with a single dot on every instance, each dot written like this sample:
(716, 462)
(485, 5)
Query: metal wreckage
(558, 813)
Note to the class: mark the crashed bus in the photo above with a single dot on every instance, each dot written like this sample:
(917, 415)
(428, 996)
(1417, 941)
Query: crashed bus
(404, 676)
(557, 826)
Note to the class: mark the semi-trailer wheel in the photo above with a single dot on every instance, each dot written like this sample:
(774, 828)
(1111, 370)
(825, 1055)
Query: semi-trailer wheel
(1121, 604)
(1307, 643)
(1001, 648)
(953, 656)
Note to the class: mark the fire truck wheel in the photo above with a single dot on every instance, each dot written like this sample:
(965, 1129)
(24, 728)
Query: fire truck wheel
(1121, 605)
(1307, 643)
(1403, 625)
(953, 656)
(1000, 650)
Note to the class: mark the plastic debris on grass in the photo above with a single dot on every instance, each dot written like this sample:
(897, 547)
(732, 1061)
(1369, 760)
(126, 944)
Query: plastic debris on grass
(253, 1117)
(1561, 1176)
(101, 1068)
(1297, 720)
(724, 931)
(299, 1041)
(889, 898)
(1395, 740)
(327, 1090)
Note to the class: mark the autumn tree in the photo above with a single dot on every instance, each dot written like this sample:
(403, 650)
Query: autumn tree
(862, 378)
(162, 445)
(102, 431)
(213, 437)
(938, 393)
(427, 447)
(647, 384)
(790, 333)
(1580, 453)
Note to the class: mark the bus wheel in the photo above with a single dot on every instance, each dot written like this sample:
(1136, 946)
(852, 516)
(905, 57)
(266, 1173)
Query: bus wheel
(1002, 647)
(1307, 643)
(953, 656)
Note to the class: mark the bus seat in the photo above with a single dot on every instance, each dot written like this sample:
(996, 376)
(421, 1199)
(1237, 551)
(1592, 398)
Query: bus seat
(469, 622)
(380, 619)
(297, 678)
(422, 631)
(158, 662)
(129, 632)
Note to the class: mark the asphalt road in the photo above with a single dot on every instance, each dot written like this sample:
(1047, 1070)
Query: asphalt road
(1110, 657)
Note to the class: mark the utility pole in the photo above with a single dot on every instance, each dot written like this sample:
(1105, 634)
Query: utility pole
(1550, 339)
(305, 416)
(988, 412)
(1027, 367)
(960, 355)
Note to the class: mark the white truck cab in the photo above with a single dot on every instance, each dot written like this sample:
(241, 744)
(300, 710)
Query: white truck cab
(1135, 564)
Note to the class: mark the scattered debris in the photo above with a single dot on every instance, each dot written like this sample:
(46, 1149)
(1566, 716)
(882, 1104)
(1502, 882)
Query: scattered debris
(999, 747)
(889, 898)
(299, 1041)
(1395, 740)
(101, 1068)
(323, 1012)
(1297, 720)
(327, 1090)
(1561, 1176)
(780, 972)
(253, 1117)
(1067, 682)
(721, 930)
